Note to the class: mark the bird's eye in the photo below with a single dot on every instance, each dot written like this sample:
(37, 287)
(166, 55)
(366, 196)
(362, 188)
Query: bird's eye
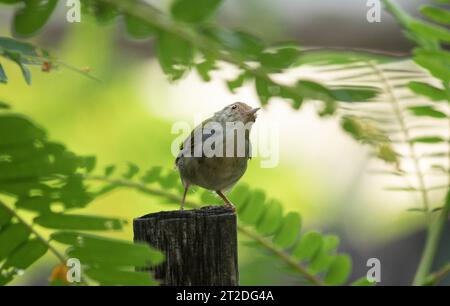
(234, 107)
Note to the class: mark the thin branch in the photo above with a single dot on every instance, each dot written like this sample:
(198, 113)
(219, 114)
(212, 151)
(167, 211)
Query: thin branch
(434, 233)
(283, 255)
(438, 276)
(367, 51)
(242, 229)
(55, 252)
(46, 242)
(406, 137)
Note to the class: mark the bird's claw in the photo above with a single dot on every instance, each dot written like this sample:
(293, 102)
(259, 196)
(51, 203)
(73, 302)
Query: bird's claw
(230, 206)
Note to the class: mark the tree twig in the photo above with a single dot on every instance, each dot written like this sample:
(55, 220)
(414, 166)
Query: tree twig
(46, 242)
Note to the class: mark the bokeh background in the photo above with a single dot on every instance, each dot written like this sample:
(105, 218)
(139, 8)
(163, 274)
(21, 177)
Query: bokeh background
(322, 173)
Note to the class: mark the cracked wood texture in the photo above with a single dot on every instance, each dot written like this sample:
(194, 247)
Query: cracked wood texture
(200, 245)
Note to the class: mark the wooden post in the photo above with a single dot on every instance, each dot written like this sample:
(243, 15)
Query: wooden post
(200, 245)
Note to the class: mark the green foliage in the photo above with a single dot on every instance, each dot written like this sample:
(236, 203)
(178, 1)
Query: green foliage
(186, 35)
(436, 14)
(194, 11)
(432, 56)
(311, 256)
(26, 55)
(109, 261)
(32, 17)
(137, 28)
(23, 54)
(431, 92)
(46, 179)
(281, 235)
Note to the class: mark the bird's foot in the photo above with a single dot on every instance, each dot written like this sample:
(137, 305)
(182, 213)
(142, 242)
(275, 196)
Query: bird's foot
(230, 206)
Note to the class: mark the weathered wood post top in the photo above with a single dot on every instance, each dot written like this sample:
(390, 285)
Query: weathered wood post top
(200, 245)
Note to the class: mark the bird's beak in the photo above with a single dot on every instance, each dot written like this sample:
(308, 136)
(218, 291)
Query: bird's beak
(252, 114)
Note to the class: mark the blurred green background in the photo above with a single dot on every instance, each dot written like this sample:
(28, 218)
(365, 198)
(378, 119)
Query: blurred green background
(128, 116)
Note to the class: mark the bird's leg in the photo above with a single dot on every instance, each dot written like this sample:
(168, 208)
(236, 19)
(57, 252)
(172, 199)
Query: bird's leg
(227, 202)
(183, 200)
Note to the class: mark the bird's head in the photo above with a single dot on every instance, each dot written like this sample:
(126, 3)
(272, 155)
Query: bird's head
(237, 111)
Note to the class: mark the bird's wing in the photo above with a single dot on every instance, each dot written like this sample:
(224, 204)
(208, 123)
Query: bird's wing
(188, 145)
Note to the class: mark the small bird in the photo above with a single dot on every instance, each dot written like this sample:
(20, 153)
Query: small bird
(217, 172)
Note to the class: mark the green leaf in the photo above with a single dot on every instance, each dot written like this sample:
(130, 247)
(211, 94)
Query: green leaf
(436, 14)
(93, 249)
(290, 93)
(103, 12)
(426, 111)
(289, 230)
(210, 198)
(320, 262)
(89, 163)
(330, 243)
(5, 279)
(32, 17)
(339, 270)
(271, 219)
(17, 58)
(138, 28)
(10, 1)
(132, 171)
(279, 59)
(194, 11)
(354, 93)
(428, 139)
(109, 170)
(152, 175)
(240, 195)
(37, 203)
(170, 180)
(314, 91)
(437, 62)
(237, 82)
(254, 208)
(112, 277)
(326, 57)
(23, 48)
(5, 216)
(262, 89)
(11, 237)
(3, 77)
(309, 245)
(78, 222)
(429, 30)
(26, 254)
(4, 105)
(204, 68)
(175, 55)
(428, 91)
(363, 282)
(245, 44)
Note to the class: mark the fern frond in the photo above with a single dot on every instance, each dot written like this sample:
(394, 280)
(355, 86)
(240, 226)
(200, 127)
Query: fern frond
(43, 179)
(311, 255)
(410, 123)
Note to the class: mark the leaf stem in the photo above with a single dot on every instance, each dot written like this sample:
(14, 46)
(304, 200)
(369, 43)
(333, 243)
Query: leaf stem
(46, 242)
(242, 229)
(434, 233)
(437, 276)
(55, 252)
(406, 137)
